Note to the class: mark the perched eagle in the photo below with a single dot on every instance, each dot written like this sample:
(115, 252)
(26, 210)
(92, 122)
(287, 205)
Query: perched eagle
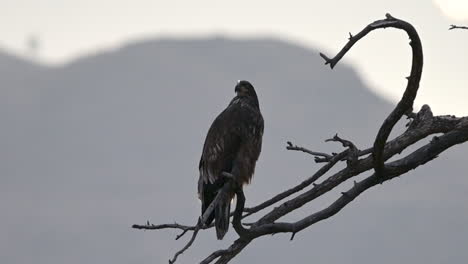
(232, 145)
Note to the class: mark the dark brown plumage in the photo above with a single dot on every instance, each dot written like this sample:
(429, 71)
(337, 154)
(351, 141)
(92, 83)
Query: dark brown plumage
(232, 145)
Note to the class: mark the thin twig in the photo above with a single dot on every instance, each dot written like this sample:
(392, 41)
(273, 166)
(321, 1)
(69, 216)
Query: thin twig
(353, 153)
(200, 224)
(344, 142)
(194, 235)
(457, 27)
(290, 146)
(164, 226)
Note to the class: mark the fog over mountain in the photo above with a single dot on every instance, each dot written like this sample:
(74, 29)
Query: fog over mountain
(114, 138)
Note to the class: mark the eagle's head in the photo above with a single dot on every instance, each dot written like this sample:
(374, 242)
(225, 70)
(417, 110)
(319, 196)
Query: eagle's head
(244, 88)
(246, 93)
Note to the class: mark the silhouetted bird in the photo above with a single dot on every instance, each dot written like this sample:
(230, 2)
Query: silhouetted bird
(232, 145)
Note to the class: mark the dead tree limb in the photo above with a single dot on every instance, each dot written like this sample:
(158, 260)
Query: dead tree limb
(457, 27)
(317, 155)
(405, 105)
(447, 131)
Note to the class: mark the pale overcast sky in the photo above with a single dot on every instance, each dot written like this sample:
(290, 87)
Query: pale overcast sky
(66, 29)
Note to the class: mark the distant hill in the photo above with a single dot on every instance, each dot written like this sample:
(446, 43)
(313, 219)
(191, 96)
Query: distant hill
(111, 139)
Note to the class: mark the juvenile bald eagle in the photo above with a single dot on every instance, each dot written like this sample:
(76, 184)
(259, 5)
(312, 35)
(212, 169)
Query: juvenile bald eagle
(232, 145)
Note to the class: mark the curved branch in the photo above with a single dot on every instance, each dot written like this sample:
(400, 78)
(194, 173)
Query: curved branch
(406, 103)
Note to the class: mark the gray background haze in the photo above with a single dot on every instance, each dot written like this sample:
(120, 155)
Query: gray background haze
(90, 147)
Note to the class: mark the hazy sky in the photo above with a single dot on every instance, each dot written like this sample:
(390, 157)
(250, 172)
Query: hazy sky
(65, 29)
(94, 152)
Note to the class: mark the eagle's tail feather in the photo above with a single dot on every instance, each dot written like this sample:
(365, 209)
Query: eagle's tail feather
(222, 212)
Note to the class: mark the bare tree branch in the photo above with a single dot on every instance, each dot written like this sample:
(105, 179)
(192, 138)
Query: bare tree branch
(232, 251)
(457, 27)
(229, 185)
(406, 103)
(149, 226)
(395, 168)
(457, 134)
(317, 155)
(214, 256)
(194, 235)
(448, 131)
(298, 187)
